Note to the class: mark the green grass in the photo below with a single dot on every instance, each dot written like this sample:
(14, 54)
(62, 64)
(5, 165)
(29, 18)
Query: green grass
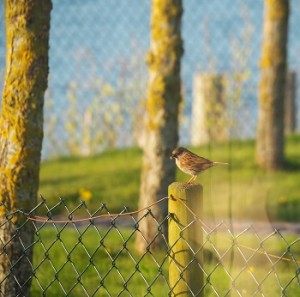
(103, 259)
(112, 177)
(241, 190)
(94, 255)
(70, 261)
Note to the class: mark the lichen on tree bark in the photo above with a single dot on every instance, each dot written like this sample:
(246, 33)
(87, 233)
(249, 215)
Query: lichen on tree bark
(163, 98)
(21, 133)
(270, 132)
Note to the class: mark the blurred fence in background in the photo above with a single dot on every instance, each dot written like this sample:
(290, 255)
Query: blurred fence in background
(97, 256)
(98, 74)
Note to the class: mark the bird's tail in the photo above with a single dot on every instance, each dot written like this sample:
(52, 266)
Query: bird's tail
(220, 163)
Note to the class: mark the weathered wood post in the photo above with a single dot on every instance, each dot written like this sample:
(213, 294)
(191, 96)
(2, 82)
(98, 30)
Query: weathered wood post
(185, 240)
(208, 109)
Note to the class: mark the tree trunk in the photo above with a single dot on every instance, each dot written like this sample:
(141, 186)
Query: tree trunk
(21, 133)
(270, 134)
(290, 108)
(163, 98)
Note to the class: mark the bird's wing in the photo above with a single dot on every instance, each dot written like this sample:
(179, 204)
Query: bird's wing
(204, 163)
(200, 160)
(197, 162)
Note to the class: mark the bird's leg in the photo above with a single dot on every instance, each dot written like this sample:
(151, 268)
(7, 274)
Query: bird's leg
(192, 179)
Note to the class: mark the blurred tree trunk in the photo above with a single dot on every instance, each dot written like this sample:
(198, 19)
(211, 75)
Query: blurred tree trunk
(21, 133)
(270, 133)
(163, 98)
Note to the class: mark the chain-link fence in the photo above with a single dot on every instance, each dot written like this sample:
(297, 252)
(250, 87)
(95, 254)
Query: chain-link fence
(96, 255)
(98, 73)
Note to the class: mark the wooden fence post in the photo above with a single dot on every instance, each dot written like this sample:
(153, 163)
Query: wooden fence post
(185, 240)
(209, 109)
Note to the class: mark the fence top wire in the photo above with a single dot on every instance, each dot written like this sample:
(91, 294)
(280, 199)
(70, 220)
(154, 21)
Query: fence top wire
(71, 220)
(258, 250)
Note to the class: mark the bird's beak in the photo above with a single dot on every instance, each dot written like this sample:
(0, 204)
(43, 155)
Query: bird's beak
(171, 157)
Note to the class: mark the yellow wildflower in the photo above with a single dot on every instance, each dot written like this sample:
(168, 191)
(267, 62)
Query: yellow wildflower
(85, 194)
(251, 268)
(282, 200)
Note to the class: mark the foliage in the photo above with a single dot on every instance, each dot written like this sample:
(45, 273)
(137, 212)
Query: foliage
(98, 114)
(239, 77)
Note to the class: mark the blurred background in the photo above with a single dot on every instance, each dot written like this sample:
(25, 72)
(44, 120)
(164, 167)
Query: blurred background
(95, 102)
(94, 151)
(98, 74)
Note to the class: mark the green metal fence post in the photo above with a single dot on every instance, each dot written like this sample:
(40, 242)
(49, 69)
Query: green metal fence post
(185, 240)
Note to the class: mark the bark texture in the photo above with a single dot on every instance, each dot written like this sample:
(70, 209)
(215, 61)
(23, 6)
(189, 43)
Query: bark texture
(21, 133)
(270, 133)
(163, 98)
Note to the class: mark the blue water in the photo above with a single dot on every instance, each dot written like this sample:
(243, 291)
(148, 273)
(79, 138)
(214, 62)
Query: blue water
(108, 40)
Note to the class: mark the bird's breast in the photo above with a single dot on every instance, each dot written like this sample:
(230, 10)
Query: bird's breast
(184, 168)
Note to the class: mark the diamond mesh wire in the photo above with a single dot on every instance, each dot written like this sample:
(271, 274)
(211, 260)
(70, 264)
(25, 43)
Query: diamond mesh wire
(97, 257)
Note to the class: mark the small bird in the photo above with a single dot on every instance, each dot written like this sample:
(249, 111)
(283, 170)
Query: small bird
(191, 163)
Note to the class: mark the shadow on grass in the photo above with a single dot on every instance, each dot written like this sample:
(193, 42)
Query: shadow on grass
(292, 165)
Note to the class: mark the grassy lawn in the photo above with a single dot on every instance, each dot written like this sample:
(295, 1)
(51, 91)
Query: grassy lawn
(99, 261)
(241, 190)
